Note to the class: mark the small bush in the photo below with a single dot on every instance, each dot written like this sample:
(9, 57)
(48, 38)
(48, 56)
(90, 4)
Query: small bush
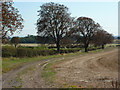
(42, 47)
(21, 52)
(52, 52)
(8, 51)
(30, 52)
(34, 51)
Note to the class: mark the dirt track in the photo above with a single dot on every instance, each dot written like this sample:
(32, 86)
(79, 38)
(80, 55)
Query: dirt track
(88, 70)
(12, 79)
(92, 70)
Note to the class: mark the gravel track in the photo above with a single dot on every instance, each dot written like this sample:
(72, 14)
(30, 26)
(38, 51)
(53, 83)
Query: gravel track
(92, 70)
(95, 70)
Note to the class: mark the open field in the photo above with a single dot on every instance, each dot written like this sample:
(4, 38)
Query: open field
(30, 44)
(77, 70)
(35, 44)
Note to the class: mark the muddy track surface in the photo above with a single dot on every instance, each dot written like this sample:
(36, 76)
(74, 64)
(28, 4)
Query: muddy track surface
(88, 70)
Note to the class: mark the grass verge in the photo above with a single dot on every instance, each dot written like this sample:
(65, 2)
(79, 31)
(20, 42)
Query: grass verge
(13, 63)
(49, 73)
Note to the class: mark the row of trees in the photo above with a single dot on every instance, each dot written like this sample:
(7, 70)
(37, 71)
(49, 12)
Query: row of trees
(55, 21)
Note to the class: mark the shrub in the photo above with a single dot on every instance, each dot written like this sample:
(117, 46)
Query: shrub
(29, 52)
(21, 52)
(52, 52)
(42, 47)
(45, 52)
(32, 51)
(8, 51)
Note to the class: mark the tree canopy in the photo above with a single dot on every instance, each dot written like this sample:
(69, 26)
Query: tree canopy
(86, 28)
(11, 19)
(55, 21)
(15, 41)
(102, 37)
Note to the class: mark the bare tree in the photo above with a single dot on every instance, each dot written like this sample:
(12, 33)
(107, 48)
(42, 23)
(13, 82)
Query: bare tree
(102, 37)
(11, 19)
(15, 41)
(55, 21)
(86, 28)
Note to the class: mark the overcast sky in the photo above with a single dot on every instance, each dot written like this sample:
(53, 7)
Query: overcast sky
(104, 13)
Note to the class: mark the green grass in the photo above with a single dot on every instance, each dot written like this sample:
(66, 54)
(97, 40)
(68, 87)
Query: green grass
(49, 73)
(112, 45)
(13, 63)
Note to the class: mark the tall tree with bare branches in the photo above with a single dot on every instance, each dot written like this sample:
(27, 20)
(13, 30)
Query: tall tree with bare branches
(55, 21)
(102, 38)
(86, 28)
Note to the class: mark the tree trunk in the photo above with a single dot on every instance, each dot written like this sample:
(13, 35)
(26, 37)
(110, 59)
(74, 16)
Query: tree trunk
(102, 46)
(86, 48)
(15, 45)
(58, 46)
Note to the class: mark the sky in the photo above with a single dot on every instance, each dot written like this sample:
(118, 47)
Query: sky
(104, 13)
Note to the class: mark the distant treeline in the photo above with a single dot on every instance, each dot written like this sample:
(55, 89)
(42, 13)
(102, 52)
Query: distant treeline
(44, 40)
(36, 39)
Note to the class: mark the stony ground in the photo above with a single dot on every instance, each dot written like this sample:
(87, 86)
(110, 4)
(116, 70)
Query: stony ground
(98, 70)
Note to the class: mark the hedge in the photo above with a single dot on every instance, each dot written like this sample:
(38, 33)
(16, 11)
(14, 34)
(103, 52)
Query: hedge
(9, 51)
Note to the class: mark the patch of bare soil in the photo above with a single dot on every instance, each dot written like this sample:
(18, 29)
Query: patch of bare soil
(33, 79)
(98, 70)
